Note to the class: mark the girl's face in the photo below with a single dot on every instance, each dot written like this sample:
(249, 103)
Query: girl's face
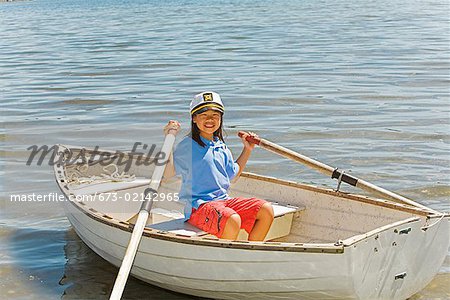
(208, 122)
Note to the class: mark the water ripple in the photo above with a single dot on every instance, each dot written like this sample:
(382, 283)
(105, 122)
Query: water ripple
(356, 84)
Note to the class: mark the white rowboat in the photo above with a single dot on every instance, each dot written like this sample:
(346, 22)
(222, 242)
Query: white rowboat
(323, 244)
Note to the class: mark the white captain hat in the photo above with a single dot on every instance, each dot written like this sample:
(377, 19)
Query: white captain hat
(205, 101)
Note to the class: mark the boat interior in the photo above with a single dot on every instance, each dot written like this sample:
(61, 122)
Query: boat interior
(303, 213)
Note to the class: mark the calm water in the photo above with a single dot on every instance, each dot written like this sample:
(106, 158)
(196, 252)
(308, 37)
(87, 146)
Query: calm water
(359, 85)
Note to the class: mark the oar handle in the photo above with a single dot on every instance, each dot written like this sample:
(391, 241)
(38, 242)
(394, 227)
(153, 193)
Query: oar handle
(253, 139)
(280, 150)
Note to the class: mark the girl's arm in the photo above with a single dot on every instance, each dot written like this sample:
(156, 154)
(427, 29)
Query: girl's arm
(169, 171)
(245, 154)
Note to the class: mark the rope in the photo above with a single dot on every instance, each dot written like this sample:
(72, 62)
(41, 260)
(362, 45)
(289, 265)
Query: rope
(431, 225)
(75, 176)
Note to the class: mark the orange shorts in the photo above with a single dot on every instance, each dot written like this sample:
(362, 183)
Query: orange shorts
(213, 216)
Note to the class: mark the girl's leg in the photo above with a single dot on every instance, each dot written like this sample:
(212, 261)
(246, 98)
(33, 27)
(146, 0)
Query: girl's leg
(264, 220)
(217, 219)
(232, 227)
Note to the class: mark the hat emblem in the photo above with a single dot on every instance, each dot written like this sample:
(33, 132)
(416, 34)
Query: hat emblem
(207, 97)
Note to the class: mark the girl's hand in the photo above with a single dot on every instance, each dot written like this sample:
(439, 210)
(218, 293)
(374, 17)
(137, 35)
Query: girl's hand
(247, 145)
(173, 124)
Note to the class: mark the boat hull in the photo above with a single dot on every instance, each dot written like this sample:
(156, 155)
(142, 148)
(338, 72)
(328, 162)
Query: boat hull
(365, 270)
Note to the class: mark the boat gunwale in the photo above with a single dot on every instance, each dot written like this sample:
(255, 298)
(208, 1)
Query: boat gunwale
(336, 248)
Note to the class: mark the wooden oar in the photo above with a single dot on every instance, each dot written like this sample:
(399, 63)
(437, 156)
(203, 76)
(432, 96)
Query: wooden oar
(141, 222)
(330, 171)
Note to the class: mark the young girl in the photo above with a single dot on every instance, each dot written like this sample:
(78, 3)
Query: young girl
(207, 167)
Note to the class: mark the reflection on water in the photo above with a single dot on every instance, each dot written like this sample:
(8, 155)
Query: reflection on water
(359, 85)
(87, 276)
(54, 264)
(31, 262)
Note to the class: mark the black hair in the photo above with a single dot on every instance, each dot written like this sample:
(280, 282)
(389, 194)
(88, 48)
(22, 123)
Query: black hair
(195, 132)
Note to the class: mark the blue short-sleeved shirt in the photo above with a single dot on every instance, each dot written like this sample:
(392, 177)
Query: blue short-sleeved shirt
(206, 171)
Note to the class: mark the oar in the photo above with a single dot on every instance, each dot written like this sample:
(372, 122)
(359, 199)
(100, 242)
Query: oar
(330, 171)
(141, 222)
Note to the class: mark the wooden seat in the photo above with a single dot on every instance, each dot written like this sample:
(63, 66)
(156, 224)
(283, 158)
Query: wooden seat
(282, 222)
(174, 222)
